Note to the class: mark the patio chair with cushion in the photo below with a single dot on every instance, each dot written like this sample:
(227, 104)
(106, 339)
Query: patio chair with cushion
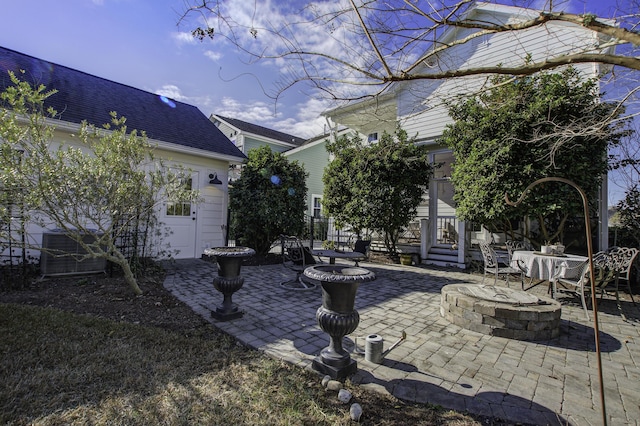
(362, 246)
(295, 257)
(492, 266)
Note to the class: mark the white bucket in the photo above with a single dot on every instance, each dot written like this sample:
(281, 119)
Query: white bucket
(373, 348)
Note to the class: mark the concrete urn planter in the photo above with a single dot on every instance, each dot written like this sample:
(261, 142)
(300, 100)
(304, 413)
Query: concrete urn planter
(228, 281)
(337, 316)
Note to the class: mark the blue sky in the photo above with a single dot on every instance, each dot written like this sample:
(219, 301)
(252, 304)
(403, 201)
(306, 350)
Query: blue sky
(139, 43)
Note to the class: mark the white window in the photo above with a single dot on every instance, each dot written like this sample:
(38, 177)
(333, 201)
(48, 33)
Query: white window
(317, 206)
(180, 209)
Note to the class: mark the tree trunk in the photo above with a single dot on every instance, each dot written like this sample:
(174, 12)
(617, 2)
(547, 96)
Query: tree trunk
(129, 277)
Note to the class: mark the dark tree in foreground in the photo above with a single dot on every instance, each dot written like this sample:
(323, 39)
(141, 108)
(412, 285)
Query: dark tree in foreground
(629, 217)
(376, 186)
(507, 137)
(268, 199)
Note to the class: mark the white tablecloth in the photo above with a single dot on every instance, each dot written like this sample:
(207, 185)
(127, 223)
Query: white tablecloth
(545, 267)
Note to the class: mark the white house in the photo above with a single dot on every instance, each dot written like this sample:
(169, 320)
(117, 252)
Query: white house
(418, 108)
(181, 133)
(247, 136)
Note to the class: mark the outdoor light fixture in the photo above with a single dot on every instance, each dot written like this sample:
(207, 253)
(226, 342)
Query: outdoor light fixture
(213, 179)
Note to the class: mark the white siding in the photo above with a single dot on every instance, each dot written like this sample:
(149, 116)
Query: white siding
(227, 130)
(421, 107)
(211, 212)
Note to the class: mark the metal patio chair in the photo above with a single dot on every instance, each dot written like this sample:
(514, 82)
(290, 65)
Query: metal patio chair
(295, 257)
(604, 274)
(514, 245)
(493, 267)
(622, 259)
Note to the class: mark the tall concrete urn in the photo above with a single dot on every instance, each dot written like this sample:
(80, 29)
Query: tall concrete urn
(228, 281)
(337, 316)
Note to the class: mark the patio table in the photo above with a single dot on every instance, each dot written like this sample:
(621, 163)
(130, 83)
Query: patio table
(547, 267)
(333, 254)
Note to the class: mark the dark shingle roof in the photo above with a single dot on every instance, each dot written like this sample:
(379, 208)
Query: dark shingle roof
(262, 131)
(82, 96)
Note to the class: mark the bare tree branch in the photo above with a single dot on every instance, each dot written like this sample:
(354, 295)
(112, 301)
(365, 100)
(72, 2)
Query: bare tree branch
(374, 44)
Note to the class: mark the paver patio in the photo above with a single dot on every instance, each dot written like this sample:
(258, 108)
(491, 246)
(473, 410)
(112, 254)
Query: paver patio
(548, 382)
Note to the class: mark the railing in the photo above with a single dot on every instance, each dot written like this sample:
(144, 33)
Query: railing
(412, 232)
(447, 227)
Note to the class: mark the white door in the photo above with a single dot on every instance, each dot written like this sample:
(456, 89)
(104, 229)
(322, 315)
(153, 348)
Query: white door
(442, 208)
(181, 220)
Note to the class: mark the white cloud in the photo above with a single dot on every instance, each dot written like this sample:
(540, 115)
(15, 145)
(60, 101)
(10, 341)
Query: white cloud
(306, 124)
(214, 56)
(182, 38)
(309, 121)
(304, 129)
(256, 112)
(171, 91)
(284, 26)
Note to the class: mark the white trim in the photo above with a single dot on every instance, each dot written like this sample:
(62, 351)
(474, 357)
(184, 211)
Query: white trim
(155, 143)
(303, 147)
(312, 204)
(168, 146)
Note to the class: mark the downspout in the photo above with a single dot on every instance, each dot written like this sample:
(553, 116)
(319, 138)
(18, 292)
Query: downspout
(603, 215)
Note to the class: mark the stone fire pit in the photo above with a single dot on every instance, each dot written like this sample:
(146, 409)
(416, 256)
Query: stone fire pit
(500, 311)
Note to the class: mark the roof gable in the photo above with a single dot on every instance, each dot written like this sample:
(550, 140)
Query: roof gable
(83, 96)
(261, 131)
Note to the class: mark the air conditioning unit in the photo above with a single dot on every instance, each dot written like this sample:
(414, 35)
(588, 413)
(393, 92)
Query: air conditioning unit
(60, 242)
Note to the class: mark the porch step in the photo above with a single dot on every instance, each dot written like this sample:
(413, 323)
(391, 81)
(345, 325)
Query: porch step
(401, 247)
(439, 255)
(443, 255)
(443, 250)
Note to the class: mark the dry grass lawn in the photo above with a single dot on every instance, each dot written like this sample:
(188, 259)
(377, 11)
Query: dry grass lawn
(84, 351)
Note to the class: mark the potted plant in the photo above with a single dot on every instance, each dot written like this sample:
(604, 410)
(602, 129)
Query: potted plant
(545, 248)
(328, 245)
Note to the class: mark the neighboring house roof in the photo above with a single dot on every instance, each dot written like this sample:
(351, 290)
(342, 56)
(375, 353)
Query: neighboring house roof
(83, 96)
(309, 143)
(257, 130)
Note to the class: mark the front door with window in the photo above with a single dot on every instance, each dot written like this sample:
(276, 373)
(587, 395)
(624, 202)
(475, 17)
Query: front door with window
(181, 220)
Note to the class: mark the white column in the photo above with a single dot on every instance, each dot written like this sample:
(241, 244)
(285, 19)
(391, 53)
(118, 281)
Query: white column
(425, 233)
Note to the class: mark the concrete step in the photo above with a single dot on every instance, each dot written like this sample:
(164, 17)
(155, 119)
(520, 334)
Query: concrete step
(443, 255)
(443, 250)
(444, 263)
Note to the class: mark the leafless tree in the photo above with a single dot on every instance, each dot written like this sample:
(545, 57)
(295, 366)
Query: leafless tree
(626, 160)
(349, 49)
